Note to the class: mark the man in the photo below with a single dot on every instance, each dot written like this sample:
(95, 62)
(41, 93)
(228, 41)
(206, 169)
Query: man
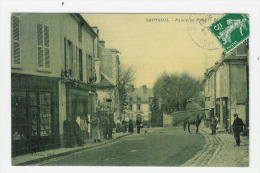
(138, 122)
(237, 128)
(95, 129)
(213, 125)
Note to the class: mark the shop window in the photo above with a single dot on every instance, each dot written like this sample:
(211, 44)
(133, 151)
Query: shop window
(16, 40)
(43, 46)
(19, 116)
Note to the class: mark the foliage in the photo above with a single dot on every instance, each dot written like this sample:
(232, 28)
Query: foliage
(173, 90)
(126, 78)
(157, 115)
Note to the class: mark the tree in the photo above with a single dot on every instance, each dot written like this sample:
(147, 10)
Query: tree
(126, 78)
(173, 90)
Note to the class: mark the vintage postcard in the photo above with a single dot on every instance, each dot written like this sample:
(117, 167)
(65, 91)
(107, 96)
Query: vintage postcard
(130, 89)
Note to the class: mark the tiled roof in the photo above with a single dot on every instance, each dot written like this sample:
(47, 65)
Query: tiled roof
(105, 82)
(139, 92)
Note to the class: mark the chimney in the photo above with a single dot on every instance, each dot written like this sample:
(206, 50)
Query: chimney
(102, 43)
(96, 30)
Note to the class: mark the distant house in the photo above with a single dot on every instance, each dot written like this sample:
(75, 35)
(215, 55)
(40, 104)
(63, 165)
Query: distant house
(226, 88)
(140, 102)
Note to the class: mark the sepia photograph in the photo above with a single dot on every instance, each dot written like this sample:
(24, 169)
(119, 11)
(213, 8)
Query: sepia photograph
(129, 88)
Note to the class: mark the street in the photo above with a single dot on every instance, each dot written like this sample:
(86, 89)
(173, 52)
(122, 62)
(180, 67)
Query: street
(159, 147)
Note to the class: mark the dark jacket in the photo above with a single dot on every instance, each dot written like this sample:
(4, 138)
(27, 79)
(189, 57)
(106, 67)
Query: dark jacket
(238, 125)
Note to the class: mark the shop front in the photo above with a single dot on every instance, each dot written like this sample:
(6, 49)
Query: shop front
(34, 114)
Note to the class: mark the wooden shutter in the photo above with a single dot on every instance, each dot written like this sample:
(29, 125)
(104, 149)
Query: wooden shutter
(16, 39)
(46, 44)
(16, 28)
(47, 58)
(46, 36)
(40, 56)
(16, 50)
(39, 34)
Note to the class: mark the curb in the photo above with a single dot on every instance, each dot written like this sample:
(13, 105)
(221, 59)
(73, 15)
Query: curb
(27, 163)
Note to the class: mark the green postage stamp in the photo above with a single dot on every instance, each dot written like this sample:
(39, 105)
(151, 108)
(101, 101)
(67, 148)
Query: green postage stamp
(231, 30)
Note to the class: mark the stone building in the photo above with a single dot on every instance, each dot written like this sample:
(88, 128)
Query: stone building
(107, 71)
(227, 88)
(140, 103)
(52, 76)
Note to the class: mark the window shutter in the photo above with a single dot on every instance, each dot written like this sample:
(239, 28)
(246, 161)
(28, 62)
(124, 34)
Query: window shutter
(47, 58)
(39, 34)
(16, 53)
(46, 36)
(40, 56)
(16, 28)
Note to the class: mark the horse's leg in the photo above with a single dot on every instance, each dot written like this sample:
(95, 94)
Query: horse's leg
(184, 125)
(189, 127)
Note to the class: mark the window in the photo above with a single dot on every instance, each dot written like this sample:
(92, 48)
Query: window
(70, 54)
(80, 65)
(80, 32)
(130, 107)
(138, 107)
(89, 68)
(16, 40)
(150, 107)
(43, 46)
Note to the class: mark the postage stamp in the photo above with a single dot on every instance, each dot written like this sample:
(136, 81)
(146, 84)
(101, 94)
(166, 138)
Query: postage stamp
(231, 30)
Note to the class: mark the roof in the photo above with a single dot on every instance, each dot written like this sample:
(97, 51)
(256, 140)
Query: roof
(108, 61)
(104, 82)
(139, 92)
(85, 23)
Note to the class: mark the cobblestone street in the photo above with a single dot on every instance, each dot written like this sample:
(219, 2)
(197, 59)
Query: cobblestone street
(220, 151)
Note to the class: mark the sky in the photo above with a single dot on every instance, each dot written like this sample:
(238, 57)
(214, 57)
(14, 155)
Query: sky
(157, 43)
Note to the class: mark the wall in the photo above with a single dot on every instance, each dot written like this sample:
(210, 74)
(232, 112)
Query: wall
(29, 49)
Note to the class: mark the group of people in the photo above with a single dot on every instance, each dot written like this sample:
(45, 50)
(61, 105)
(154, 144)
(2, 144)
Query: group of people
(75, 129)
(237, 126)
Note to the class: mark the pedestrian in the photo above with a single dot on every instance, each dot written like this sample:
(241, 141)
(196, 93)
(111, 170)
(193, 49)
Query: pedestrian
(131, 127)
(237, 128)
(95, 129)
(138, 123)
(83, 128)
(213, 125)
(110, 126)
(76, 131)
(124, 125)
(105, 127)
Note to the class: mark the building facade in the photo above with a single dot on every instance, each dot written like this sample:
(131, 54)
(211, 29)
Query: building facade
(52, 74)
(140, 103)
(107, 71)
(227, 88)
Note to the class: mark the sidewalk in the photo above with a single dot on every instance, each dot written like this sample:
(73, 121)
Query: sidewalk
(220, 151)
(49, 154)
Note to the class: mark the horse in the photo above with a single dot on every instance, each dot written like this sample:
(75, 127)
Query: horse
(193, 120)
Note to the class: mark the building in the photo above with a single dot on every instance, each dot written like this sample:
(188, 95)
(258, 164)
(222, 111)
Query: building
(107, 70)
(140, 103)
(226, 88)
(52, 76)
